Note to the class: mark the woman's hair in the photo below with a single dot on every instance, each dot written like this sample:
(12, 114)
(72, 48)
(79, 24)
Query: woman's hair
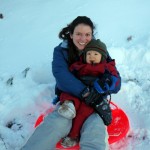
(65, 35)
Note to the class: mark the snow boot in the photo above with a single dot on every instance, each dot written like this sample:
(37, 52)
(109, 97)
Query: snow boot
(69, 142)
(104, 111)
(67, 110)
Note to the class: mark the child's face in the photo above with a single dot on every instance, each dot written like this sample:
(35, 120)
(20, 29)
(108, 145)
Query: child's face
(93, 57)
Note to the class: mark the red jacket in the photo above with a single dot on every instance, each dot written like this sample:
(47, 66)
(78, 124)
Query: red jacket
(82, 69)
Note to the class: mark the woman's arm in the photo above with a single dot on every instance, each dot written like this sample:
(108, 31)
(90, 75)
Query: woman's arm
(115, 75)
(65, 80)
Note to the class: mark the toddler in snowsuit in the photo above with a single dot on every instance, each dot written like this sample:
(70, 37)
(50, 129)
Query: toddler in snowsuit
(92, 65)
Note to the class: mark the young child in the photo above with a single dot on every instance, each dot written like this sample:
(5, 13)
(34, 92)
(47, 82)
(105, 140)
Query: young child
(92, 65)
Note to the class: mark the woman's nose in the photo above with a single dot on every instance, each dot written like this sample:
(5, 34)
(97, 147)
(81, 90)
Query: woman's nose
(83, 37)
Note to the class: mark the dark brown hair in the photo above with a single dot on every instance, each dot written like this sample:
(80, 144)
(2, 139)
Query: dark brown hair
(66, 31)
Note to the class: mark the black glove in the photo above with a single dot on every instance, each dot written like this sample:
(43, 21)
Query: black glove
(103, 83)
(106, 78)
(92, 96)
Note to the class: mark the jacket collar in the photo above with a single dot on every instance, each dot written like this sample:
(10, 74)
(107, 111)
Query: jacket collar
(64, 44)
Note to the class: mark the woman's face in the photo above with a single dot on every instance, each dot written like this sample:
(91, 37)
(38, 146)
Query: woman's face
(81, 36)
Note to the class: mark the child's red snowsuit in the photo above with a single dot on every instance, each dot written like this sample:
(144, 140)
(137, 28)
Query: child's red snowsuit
(83, 110)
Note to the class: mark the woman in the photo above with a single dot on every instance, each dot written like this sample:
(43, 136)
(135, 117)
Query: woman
(93, 134)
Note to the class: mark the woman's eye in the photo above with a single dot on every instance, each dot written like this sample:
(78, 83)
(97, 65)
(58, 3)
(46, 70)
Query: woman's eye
(78, 34)
(88, 35)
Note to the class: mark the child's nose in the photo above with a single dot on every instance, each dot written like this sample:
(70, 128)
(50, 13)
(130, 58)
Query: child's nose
(92, 57)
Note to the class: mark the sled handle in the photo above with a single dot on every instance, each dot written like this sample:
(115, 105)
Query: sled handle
(114, 105)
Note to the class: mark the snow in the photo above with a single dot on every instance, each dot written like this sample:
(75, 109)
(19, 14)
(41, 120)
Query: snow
(28, 35)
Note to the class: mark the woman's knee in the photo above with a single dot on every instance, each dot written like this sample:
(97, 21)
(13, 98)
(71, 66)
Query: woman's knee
(94, 121)
(94, 127)
(58, 122)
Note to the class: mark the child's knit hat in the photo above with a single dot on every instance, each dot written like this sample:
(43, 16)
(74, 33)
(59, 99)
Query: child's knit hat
(98, 46)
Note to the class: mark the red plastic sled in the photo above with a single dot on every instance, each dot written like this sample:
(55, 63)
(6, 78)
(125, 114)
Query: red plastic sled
(117, 130)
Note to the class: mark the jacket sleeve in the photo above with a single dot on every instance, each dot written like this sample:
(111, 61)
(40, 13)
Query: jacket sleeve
(114, 72)
(65, 80)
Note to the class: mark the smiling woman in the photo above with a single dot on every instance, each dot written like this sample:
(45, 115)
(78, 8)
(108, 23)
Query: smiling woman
(56, 126)
(78, 34)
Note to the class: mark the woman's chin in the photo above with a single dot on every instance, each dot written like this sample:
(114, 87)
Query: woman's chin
(81, 48)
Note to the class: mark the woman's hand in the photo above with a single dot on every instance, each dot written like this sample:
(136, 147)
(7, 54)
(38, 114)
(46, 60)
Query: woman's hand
(90, 96)
(106, 84)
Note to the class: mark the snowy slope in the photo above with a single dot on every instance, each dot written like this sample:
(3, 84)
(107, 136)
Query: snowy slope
(29, 32)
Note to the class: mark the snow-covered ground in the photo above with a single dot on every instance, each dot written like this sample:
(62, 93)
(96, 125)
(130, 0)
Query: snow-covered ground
(29, 32)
